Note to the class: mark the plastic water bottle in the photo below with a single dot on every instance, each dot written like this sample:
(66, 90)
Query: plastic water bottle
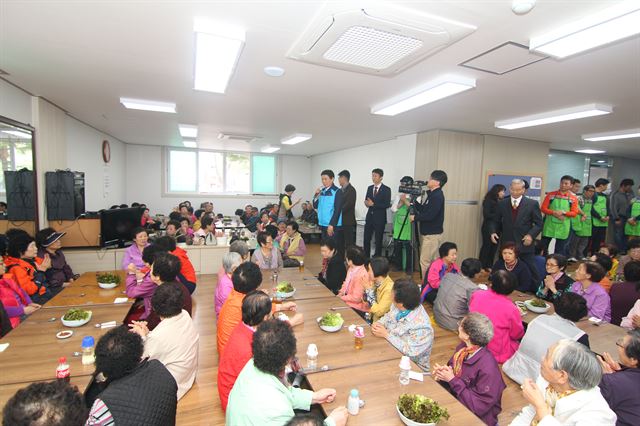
(88, 350)
(63, 372)
(312, 357)
(405, 368)
(353, 403)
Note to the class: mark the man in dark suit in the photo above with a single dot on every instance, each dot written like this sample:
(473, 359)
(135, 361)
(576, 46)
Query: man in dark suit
(378, 200)
(519, 220)
(348, 209)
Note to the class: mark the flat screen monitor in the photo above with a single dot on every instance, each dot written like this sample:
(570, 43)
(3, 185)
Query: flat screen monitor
(117, 225)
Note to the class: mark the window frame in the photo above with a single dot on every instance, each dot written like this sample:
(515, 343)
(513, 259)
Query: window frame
(166, 154)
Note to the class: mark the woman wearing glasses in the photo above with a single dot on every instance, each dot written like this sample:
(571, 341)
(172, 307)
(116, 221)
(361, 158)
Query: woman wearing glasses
(556, 281)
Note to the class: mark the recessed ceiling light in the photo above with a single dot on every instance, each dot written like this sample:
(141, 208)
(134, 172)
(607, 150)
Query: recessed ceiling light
(188, 130)
(270, 149)
(218, 48)
(615, 23)
(565, 114)
(295, 139)
(145, 105)
(18, 133)
(274, 71)
(422, 95)
(609, 136)
(521, 7)
(190, 144)
(590, 151)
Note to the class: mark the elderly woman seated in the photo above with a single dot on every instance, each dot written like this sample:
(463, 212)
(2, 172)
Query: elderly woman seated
(292, 245)
(544, 331)
(407, 325)
(620, 383)
(566, 392)
(230, 261)
(472, 374)
(452, 300)
(266, 256)
(261, 396)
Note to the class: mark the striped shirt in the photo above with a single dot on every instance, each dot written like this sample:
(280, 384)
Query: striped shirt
(100, 415)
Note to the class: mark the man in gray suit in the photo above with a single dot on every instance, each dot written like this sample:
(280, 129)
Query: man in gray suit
(519, 220)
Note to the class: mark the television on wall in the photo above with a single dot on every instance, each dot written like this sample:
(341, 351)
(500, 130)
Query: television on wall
(117, 225)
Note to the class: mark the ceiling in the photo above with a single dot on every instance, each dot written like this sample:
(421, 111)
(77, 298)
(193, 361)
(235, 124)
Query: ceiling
(83, 56)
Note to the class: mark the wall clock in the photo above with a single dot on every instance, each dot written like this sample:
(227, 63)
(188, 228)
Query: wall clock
(106, 151)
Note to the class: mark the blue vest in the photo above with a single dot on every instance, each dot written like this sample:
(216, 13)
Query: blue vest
(326, 204)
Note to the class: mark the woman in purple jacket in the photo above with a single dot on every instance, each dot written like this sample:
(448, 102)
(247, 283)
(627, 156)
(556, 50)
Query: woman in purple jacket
(472, 374)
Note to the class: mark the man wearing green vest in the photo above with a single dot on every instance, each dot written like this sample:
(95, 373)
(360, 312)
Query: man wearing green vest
(558, 207)
(582, 225)
(632, 227)
(402, 231)
(600, 215)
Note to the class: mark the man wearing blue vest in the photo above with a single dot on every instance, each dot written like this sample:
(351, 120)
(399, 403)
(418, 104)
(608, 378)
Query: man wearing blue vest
(328, 201)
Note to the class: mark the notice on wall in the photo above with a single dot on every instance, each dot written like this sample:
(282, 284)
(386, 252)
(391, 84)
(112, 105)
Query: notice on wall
(106, 181)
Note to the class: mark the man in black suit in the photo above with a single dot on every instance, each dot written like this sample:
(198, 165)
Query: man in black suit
(378, 200)
(348, 209)
(519, 220)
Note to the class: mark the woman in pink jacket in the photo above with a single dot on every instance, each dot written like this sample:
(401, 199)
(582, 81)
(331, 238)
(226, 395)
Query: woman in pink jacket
(503, 313)
(352, 291)
(446, 264)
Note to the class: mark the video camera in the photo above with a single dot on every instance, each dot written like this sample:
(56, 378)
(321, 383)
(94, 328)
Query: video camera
(415, 188)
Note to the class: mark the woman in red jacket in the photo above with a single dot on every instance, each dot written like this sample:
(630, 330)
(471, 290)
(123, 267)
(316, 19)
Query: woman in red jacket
(25, 268)
(15, 300)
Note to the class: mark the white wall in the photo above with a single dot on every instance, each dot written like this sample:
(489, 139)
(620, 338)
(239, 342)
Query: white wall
(395, 157)
(144, 183)
(625, 168)
(84, 154)
(15, 103)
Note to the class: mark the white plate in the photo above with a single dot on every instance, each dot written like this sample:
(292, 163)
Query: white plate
(64, 334)
(410, 422)
(536, 309)
(76, 323)
(107, 286)
(285, 295)
(330, 329)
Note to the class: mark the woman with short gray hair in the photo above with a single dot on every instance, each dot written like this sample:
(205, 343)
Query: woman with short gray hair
(230, 262)
(566, 392)
(472, 374)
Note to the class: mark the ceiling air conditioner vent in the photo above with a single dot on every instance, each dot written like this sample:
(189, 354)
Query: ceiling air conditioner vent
(375, 38)
(237, 137)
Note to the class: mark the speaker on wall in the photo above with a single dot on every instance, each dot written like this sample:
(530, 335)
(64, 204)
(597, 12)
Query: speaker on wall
(20, 187)
(59, 190)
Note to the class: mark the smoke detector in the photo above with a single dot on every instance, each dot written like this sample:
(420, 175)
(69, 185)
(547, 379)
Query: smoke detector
(374, 38)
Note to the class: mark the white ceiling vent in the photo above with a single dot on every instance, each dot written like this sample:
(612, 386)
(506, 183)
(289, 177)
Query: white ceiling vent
(374, 38)
(225, 136)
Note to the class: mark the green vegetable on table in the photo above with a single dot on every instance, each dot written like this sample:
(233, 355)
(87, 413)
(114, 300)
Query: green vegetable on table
(537, 303)
(421, 409)
(76, 315)
(108, 278)
(284, 287)
(331, 319)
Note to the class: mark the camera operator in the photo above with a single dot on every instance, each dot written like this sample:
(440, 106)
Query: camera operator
(430, 215)
(403, 254)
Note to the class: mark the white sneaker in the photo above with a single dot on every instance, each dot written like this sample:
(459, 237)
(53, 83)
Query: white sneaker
(572, 259)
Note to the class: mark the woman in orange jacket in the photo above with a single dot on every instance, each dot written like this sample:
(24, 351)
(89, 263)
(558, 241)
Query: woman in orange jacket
(26, 269)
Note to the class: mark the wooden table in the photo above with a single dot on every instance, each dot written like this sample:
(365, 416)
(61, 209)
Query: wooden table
(85, 291)
(379, 387)
(34, 350)
(602, 338)
(7, 391)
(307, 285)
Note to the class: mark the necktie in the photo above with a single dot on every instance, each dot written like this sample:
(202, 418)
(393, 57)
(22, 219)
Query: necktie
(515, 203)
(375, 191)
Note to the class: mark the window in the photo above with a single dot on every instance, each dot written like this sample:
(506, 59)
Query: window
(212, 172)
(15, 152)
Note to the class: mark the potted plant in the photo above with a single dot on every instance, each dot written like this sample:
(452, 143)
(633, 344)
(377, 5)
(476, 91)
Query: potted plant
(108, 280)
(418, 410)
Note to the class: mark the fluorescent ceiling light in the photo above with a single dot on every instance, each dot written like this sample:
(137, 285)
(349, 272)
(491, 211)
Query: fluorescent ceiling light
(18, 133)
(566, 114)
(422, 95)
(295, 139)
(590, 151)
(614, 23)
(148, 105)
(609, 136)
(600, 161)
(188, 131)
(218, 48)
(190, 144)
(270, 149)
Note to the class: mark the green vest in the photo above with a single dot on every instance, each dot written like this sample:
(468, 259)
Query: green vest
(601, 207)
(398, 220)
(580, 227)
(629, 229)
(554, 227)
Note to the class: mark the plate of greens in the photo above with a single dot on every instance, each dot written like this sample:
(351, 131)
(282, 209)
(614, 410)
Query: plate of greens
(284, 290)
(76, 317)
(108, 280)
(536, 305)
(418, 410)
(330, 322)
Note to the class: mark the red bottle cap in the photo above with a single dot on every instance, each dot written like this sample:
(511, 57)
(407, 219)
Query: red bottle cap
(62, 360)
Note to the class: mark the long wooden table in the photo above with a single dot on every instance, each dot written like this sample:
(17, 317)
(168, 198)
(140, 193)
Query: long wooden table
(602, 338)
(85, 291)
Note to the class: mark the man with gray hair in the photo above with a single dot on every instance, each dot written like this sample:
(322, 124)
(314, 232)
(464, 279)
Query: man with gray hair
(518, 219)
(566, 392)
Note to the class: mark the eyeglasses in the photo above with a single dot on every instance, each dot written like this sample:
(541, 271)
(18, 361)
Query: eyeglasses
(620, 342)
(551, 265)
